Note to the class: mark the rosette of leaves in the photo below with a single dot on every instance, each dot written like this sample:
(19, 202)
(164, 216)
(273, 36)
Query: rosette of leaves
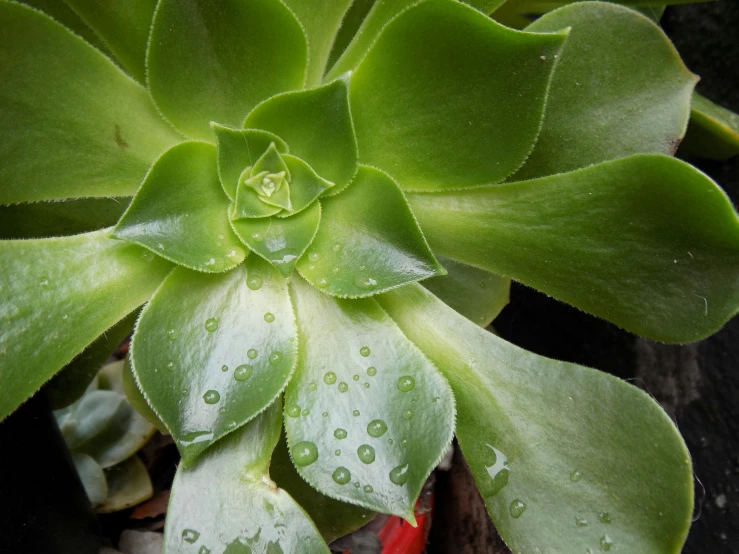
(277, 212)
(103, 432)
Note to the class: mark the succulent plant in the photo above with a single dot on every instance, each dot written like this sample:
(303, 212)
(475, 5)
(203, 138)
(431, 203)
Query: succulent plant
(322, 205)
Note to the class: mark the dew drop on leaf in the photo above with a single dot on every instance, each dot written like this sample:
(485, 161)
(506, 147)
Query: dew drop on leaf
(275, 358)
(498, 471)
(408, 414)
(254, 282)
(312, 386)
(329, 378)
(517, 508)
(305, 453)
(399, 475)
(355, 413)
(355, 377)
(224, 368)
(368, 489)
(322, 283)
(337, 452)
(366, 453)
(269, 317)
(364, 351)
(211, 324)
(341, 476)
(204, 550)
(325, 414)
(604, 517)
(252, 353)
(243, 372)
(190, 535)
(211, 397)
(376, 428)
(343, 387)
(340, 433)
(314, 256)
(371, 371)
(366, 385)
(606, 543)
(581, 522)
(172, 334)
(257, 237)
(356, 484)
(306, 412)
(365, 282)
(404, 443)
(406, 383)
(575, 476)
(293, 410)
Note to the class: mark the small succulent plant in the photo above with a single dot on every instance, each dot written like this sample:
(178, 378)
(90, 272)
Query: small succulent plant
(322, 205)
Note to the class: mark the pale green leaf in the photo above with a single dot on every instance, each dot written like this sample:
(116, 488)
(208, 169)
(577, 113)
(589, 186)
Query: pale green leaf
(181, 212)
(73, 124)
(280, 241)
(368, 241)
(367, 415)
(226, 502)
(620, 88)
(305, 184)
(210, 352)
(317, 126)
(567, 459)
(137, 399)
(123, 26)
(448, 98)
(475, 293)
(128, 484)
(646, 242)
(214, 61)
(90, 416)
(92, 477)
(83, 285)
(713, 131)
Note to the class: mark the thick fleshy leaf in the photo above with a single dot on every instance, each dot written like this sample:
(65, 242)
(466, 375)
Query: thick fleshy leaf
(226, 502)
(321, 22)
(332, 518)
(269, 178)
(239, 149)
(53, 219)
(368, 416)
(210, 352)
(368, 241)
(620, 88)
(305, 184)
(353, 19)
(92, 477)
(124, 26)
(181, 212)
(70, 383)
(61, 12)
(128, 484)
(96, 138)
(380, 14)
(215, 61)
(435, 123)
(567, 459)
(280, 241)
(646, 242)
(317, 125)
(89, 417)
(137, 399)
(83, 285)
(475, 293)
(713, 131)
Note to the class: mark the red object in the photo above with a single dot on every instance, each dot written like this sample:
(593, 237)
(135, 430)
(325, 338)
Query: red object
(400, 537)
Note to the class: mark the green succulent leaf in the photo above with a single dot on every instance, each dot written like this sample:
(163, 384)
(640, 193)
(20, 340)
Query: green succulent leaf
(353, 19)
(368, 416)
(567, 459)
(83, 285)
(128, 484)
(620, 88)
(96, 138)
(89, 417)
(181, 213)
(210, 352)
(123, 26)
(52, 219)
(317, 124)
(280, 241)
(92, 477)
(332, 518)
(713, 131)
(226, 502)
(321, 22)
(239, 149)
(359, 253)
(70, 383)
(137, 399)
(269, 179)
(305, 184)
(646, 242)
(214, 61)
(475, 293)
(435, 123)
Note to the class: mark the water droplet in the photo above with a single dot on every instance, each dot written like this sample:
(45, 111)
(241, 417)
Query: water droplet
(343, 387)
(606, 543)
(269, 317)
(204, 550)
(305, 453)
(366, 385)
(406, 383)
(355, 377)
(312, 386)
(390, 441)
(252, 353)
(224, 368)
(211, 397)
(172, 334)
(329, 378)
(364, 351)
(365, 282)
(336, 247)
(399, 475)
(314, 256)
(243, 372)
(254, 282)
(257, 237)
(322, 283)
(376, 428)
(336, 270)
(356, 484)
(517, 508)
(337, 452)
(211, 324)
(575, 476)
(371, 371)
(355, 413)
(340, 434)
(408, 414)
(306, 412)
(293, 411)
(325, 414)
(498, 472)
(190, 535)
(581, 522)
(366, 453)
(275, 358)
(368, 489)
(604, 517)
(404, 443)
(341, 476)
